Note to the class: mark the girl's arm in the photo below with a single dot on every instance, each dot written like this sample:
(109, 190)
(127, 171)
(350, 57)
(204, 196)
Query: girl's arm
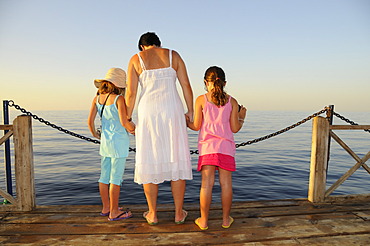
(91, 119)
(122, 112)
(198, 116)
(182, 75)
(237, 118)
(132, 85)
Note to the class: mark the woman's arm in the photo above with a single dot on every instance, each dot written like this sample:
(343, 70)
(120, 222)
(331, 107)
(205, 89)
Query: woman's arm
(132, 85)
(198, 116)
(129, 125)
(91, 119)
(237, 117)
(182, 75)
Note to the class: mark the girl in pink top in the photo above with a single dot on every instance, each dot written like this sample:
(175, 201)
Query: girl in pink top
(218, 116)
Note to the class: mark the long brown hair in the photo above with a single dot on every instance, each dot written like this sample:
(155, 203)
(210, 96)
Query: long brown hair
(108, 87)
(217, 76)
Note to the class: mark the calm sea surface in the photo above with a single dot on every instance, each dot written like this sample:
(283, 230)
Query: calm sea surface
(67, 168)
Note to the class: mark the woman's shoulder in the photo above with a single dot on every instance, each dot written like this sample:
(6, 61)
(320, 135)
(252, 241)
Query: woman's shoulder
(166, 52)
(175, 54)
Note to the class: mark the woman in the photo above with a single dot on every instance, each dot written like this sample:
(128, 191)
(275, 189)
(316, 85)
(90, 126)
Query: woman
(162, 152)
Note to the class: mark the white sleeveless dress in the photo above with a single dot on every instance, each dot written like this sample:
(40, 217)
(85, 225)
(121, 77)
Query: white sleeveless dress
(162, 150)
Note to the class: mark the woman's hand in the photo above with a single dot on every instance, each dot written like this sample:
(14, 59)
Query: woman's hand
(189, 116)
(187, 120)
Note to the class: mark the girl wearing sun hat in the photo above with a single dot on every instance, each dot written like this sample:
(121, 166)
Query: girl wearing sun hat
(114, 145)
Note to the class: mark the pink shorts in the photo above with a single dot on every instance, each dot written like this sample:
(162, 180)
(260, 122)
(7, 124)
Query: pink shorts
(225, 162)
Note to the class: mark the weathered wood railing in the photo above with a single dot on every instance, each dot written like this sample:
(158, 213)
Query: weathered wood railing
(321, 131)
(21, 130)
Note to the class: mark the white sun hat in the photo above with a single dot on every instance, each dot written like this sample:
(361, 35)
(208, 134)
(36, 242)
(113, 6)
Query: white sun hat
(117, 76)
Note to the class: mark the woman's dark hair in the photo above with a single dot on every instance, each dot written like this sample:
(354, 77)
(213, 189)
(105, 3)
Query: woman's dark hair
(148, 39)
(217, 76)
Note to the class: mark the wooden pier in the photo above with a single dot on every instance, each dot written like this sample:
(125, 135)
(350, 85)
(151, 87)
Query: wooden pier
(342, 221)
(319, 219)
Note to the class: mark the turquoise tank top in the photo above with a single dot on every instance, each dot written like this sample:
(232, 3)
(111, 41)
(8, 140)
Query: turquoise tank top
(114, 141)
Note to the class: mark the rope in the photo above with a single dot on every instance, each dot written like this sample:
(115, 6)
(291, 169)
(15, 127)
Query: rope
(12, 104)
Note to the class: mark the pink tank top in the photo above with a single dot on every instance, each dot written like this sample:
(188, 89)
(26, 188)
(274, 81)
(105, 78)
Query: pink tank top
(215, 134)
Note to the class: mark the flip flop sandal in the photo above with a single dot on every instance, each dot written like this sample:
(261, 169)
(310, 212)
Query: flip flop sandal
(147, 220)
(197, 223)
(107, 214)
(231, 220)
(183, 220)
(121, 218)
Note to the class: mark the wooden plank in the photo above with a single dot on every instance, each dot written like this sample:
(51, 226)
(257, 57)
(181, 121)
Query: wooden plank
(91, 215)
(260, 225)
(365, 215)
(6, 127)
(189, 232)
(165, 207)
(333, 239)
(344, 199)
(347, 174)
(339, 200)
(349, 127)
(7, 196)
(348, 149)
(319, 157)
(345, 240)
(7, 208)
(24, 171)
(139, 225)
(165, 216)
(6, 137)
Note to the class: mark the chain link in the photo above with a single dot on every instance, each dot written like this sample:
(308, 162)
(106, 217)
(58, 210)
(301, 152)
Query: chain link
(347, 120)
(12, 104)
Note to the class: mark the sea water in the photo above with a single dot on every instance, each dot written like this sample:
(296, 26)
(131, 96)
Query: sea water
(67, 168)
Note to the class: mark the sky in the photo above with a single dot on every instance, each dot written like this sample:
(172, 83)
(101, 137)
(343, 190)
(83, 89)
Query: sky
(286, 55)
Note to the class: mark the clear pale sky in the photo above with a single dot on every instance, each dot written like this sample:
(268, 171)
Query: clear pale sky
(277, 55)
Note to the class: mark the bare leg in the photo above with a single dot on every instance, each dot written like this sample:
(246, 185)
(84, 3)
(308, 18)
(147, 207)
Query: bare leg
(104, 195)
(208, 180)
(114, 191)
(226, 194)
(151, 194)
(178, 193)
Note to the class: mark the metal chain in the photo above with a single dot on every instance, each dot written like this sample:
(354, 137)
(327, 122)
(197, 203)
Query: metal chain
(12, 104)
(348, 121)
(275, 133)
(282, 130)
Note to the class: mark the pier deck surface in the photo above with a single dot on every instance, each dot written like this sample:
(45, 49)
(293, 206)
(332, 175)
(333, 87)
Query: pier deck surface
(278, 222)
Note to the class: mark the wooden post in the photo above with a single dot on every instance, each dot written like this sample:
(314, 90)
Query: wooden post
(24, 171)
(319, 158)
